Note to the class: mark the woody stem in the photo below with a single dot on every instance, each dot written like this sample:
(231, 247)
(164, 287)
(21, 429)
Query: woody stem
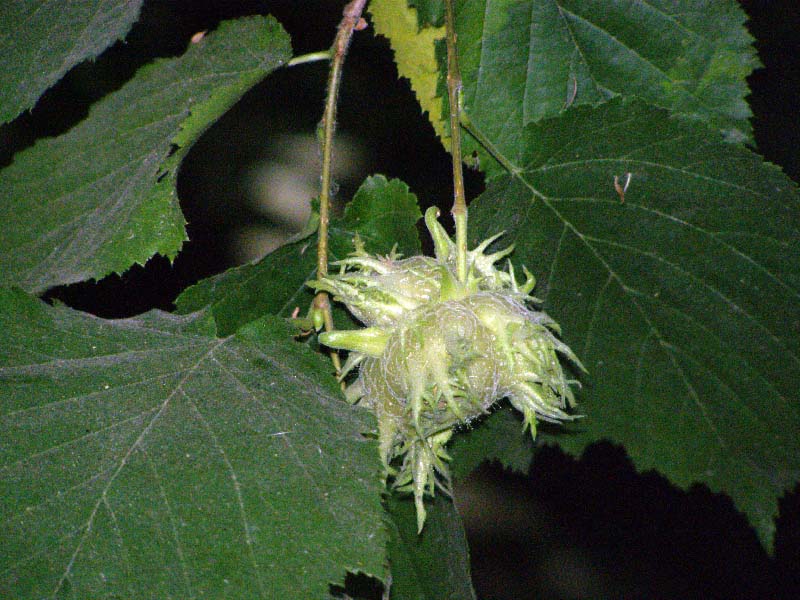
(454, 86)
(350, 18)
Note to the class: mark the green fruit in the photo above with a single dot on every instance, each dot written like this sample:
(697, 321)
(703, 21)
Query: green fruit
(438, 353)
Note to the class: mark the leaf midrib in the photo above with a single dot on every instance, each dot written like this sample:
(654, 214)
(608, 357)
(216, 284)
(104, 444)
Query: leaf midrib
(137, 443)
(669, 349)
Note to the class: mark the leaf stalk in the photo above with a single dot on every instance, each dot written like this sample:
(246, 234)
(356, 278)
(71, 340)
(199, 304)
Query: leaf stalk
(487, 144)
(308, 58)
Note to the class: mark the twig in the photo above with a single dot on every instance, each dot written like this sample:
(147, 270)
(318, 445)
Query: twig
(351, 19)
(454, 86)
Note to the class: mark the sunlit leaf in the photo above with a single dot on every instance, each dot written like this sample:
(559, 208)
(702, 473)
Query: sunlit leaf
(414, 53)
(525, 60)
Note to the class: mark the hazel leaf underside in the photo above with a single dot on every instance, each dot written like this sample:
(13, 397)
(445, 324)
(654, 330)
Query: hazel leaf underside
(148, 458)
(683, 301)
(40, 40)
(382, 213)
(102, 197)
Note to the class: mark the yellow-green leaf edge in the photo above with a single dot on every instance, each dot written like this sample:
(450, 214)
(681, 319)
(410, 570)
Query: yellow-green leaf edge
(415, 55)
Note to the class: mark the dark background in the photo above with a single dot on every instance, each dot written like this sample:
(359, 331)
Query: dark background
(588, 528)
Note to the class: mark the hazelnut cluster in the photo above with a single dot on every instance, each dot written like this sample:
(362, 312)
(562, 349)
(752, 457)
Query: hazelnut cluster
(436, 353)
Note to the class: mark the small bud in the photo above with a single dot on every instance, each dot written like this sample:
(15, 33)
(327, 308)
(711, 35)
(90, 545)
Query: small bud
(317, 318)
(370, 341)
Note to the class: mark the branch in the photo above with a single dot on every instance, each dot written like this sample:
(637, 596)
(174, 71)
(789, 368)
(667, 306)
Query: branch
(454, 86)
(351, 20)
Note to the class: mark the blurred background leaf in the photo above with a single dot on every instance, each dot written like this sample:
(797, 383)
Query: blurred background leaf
(382, 213)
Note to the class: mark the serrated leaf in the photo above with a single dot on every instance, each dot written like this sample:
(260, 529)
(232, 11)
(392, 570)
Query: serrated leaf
(382, 213)
(41, 40)
(525, 60)
(683, 301)
(101, 197)
(690, 56)
(147, 458)
(433, 565)
(414, 48)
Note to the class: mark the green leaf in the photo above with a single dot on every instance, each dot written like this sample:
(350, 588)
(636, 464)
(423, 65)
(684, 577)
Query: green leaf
(683, 302)
(414, 48)
(102, 196)
(40, 41)
(525, 60)
(429, 12)
(498, 437)
(433, 565)
(147, 458)
(383, 212)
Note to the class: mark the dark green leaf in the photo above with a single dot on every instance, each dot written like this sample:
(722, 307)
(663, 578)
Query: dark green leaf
(430, 13)
(102, 196)
(381, 213)
(147, 458)
(525, 60)
(433, 565)
(683, 302)
(499, 437)
(40, 41)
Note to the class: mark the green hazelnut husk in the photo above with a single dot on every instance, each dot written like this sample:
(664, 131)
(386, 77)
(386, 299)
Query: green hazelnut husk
(437, 353)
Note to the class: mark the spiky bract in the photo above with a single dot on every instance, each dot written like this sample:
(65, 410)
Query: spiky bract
(438, 353)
